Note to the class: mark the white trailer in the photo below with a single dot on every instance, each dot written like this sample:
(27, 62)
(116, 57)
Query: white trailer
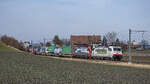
(58, 51)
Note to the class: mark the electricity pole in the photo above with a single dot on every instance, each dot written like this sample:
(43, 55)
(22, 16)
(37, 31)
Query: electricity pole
(44, 45)
(130, 43)
(71, 46)
(129, 61)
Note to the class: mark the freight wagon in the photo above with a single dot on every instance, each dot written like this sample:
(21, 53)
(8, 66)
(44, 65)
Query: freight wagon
(66, 51)
(39, 51)
(50, 50)
(81, 52)
(58, 51)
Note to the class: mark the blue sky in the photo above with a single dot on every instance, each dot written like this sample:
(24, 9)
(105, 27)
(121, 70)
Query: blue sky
(38, 19)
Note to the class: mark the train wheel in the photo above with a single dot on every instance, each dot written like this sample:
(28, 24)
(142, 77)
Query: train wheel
(110, 58)
(113, 58)
(118, 59)
(100, 58)
(103, 58)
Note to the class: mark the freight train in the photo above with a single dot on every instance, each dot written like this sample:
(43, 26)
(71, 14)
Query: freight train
(111, 52)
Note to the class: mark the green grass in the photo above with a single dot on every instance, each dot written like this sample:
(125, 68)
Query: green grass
(4, 48)
(23, 68)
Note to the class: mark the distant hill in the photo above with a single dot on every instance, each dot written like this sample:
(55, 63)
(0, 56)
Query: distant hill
(5, 48)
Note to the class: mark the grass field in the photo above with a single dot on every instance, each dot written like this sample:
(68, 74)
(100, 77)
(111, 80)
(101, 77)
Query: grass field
(138, 59)
(4, 48)
(142, 51)
(24, 68)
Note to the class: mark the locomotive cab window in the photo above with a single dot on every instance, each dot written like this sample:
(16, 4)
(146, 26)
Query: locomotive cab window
(109, 49)
(117, 49)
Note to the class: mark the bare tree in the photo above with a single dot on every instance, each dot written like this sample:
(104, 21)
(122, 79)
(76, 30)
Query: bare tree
(66, 42)
(111, 37)
(117, 42)
(104, 42)
(48, 44)
(57, 41)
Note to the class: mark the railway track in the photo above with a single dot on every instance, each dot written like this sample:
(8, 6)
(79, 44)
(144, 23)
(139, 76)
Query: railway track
(102, 60)
(106, 62)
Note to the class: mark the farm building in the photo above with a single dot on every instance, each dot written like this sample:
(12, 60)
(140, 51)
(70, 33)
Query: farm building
(85, 40)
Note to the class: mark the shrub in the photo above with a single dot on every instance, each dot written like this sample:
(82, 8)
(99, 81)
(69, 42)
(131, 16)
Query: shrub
(11, 42)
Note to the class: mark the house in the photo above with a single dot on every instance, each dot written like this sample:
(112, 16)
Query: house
(85, 40)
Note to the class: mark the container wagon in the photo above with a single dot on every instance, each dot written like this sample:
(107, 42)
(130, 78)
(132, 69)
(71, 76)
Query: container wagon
(50, 50)
(39, 51)
(82, 52)
(58, 51)
(66, 51)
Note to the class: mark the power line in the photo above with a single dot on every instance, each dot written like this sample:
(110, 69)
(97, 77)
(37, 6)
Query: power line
(130, 35)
